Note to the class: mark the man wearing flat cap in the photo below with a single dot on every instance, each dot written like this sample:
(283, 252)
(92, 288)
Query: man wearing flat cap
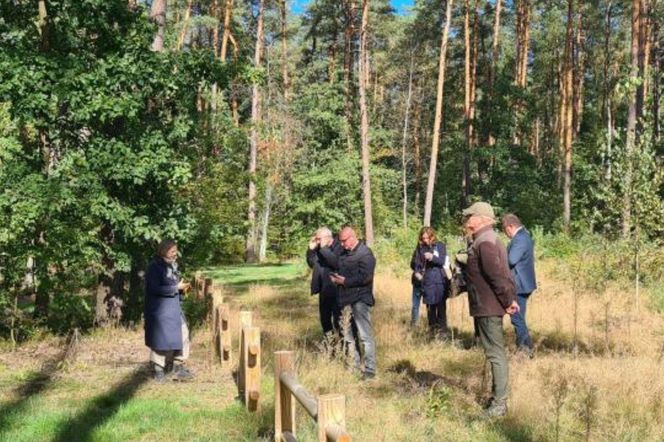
(491, 295)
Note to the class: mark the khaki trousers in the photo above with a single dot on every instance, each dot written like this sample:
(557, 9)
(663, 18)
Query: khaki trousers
(166, 358)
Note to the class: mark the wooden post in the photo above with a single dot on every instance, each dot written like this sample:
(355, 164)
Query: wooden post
(332, 418)
(216, 333)
(225, 333)
(245, 321)
(284, 403)
(207, 287)
(252, 366)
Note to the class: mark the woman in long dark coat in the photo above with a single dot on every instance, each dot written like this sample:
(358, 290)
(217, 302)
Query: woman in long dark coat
(428, 263)
(166, 331)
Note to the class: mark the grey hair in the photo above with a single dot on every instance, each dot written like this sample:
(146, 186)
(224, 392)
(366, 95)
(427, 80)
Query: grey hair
(324, 231)
(510, 219)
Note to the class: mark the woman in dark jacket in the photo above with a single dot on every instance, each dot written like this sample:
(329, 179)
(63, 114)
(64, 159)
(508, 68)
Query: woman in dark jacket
(166, 331)
(428, 264)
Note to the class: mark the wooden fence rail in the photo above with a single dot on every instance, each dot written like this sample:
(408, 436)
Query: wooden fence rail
(329, 410)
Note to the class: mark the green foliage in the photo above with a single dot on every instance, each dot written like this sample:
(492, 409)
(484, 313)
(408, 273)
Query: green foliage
(439, 402)
(98, 150)
(68, 311)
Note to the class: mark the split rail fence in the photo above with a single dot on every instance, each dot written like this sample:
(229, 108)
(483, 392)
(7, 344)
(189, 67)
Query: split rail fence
(328, 410)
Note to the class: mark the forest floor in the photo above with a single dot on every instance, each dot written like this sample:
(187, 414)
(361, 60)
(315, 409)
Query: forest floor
(609, 386)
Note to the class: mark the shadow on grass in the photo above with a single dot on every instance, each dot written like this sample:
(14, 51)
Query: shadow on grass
(558, 341)
(36, 384)
(101, 409)
(423, 379)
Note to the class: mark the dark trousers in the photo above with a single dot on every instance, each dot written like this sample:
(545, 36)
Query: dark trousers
(437, 316)
(519, 323)
(493, 342)
(329, 313)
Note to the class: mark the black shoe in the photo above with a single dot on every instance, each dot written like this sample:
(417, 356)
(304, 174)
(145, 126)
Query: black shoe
(159, 375)
(181, 373)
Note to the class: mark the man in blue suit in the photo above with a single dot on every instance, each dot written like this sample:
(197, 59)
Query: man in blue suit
(521, 257)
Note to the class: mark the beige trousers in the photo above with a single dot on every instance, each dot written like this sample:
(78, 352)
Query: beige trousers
(166, 358)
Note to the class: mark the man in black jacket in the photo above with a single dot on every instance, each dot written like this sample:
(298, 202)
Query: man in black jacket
(355, 281)
(323, 258)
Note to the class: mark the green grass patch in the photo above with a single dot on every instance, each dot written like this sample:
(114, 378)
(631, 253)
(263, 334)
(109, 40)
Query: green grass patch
(270, 274)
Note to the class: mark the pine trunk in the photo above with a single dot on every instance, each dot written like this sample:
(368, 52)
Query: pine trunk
(418, 156)
(579, 75)
(633, 112)
(404, 143)
(495, 53)
(228, 12)
(284, 51)
(433, 165)
(349, 37)
(250, 251)
(158, 16)
(567, 116)
(657, 75)
(185, 25)
(267, 209)
(364, 125)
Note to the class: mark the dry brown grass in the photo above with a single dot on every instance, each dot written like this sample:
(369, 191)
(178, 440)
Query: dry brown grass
(623, 367)
(427, 390)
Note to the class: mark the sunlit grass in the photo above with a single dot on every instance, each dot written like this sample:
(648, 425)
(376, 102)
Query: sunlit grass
(425, 390)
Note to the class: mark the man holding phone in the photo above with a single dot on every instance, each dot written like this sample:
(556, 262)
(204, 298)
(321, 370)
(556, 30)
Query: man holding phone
(355, 282)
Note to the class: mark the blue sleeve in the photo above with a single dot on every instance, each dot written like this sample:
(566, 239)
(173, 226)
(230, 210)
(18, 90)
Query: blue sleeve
(518, 249)
(156, 283)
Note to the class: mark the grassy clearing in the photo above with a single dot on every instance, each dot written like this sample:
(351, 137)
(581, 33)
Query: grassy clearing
(609, 386)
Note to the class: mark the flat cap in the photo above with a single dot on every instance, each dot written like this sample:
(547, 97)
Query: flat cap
(481, 209)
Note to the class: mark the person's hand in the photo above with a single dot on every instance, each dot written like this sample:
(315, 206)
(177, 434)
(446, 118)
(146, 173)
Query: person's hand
(327, 242)
(184, 286)
(428, 256)
(513, 308)
(337, 278)
(313, 243)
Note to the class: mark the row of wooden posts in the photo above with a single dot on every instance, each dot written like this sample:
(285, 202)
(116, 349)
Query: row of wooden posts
(328, 410)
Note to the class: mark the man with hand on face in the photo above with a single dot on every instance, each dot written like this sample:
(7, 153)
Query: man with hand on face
(355, 281)
(491, 295)
(323, 258)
